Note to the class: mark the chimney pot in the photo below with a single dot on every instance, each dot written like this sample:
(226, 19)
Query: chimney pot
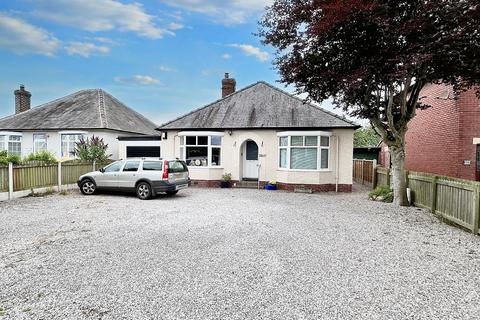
(22, 99)
(228, 85)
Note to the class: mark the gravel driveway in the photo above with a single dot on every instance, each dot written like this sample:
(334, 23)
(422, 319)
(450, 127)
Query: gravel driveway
(232, 254)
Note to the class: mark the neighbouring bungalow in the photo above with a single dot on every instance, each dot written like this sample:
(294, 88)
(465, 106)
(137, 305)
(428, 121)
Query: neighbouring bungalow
(57, 125)
(261, 133)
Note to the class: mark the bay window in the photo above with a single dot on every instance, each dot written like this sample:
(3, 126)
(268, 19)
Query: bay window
(202, 150)
(304, 151)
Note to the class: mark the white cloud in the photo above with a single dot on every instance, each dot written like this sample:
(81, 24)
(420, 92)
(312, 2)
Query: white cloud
(138, 79)
(164, 68)
(227, 12)
(105, 40)
(175, 26)
(21, 37)
(226, 56)
(250, 50)
(100, 15)
(85, 49)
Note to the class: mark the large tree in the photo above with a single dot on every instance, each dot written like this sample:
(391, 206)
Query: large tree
(375, 56)
(366, 137)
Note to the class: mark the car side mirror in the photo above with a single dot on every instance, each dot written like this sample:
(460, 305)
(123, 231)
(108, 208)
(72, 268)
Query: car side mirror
(102, 170)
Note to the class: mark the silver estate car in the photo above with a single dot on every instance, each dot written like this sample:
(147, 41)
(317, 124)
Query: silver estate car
(146, 176)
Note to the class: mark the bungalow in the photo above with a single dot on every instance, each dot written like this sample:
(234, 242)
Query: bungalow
(57, 125)
(261, 133)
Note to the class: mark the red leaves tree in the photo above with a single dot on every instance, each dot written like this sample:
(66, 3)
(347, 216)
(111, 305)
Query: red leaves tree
(375, 56)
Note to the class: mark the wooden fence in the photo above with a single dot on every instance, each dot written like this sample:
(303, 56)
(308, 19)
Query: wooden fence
(3, 179)
(364, 171)
(40, 175)
(452, 199)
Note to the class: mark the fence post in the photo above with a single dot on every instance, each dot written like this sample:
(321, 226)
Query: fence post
(59, 176)
(374, 181)
(476, 211)
(434, 194)
(94, 166)
(10, 181)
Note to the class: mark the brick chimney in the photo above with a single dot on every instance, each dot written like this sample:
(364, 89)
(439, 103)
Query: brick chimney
(22, 100)
(228, 86)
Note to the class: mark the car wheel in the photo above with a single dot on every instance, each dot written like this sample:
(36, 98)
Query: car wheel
(171, 193)
(87, 187)
(144, 191)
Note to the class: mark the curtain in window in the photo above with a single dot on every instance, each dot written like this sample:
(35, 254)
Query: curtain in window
(303, 158)
(283, 158)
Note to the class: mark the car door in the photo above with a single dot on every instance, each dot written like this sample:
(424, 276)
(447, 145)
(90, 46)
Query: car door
(109, 177)
(129, 174)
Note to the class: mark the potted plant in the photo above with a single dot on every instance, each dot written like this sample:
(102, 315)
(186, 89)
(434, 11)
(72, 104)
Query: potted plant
(226, 180)
(271, 185)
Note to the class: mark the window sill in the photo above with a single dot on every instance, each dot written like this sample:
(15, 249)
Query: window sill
(304, 170)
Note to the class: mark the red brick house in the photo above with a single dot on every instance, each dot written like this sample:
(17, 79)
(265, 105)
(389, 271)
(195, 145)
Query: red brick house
(444, 139)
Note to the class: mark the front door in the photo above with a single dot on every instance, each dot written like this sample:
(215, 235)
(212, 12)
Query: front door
(478, 162)
(250, 160)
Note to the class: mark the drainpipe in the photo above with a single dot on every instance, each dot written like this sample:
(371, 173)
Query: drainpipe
(174, 147)
(337, 156)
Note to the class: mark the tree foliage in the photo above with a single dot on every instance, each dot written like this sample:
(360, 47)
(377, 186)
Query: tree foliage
(375, 56)
(92, 149)
(366, 137)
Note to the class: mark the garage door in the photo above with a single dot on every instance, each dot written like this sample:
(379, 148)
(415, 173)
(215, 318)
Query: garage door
(143, 152)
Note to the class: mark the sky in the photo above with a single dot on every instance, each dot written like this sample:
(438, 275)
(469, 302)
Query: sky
(162, 58)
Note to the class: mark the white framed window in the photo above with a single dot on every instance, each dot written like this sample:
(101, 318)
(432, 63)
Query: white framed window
(15, 145)
(304, 152)
(3, 143)
(39, 142)
(69, 141)
(201, 150)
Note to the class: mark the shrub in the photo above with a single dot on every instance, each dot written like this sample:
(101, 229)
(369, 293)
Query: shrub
(43, 156)
(5, 158)
(92, 149)
(382, 193)
(227, 177)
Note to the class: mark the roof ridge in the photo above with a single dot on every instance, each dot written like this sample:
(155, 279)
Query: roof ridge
(101, 108)
(208, 105)
(127, 107)
(309, 103)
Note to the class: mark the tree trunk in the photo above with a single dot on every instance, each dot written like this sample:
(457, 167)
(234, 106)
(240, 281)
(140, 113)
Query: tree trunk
(399, 177)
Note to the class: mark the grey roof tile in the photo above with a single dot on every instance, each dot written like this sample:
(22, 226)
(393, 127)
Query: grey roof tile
(85, 109)
(260, 105)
